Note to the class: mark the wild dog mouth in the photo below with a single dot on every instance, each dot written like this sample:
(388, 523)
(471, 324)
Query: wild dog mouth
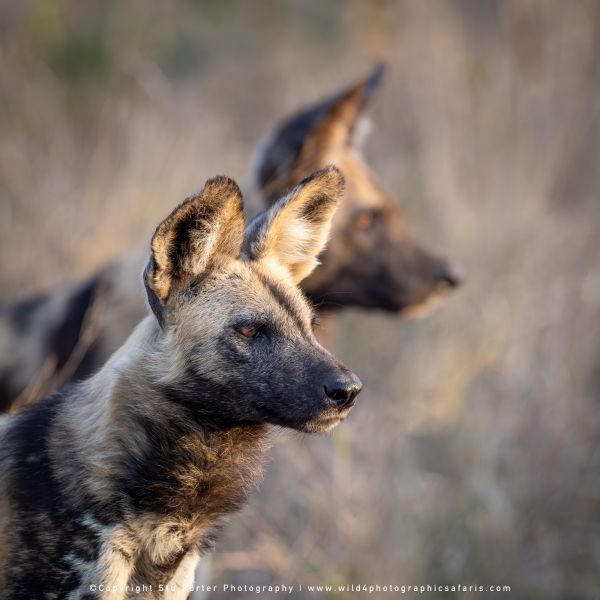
(327, 420)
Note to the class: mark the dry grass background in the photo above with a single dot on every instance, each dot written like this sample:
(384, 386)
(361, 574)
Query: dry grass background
(473, 455)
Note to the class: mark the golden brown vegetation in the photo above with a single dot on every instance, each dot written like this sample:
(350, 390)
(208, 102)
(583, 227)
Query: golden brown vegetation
(473, 454)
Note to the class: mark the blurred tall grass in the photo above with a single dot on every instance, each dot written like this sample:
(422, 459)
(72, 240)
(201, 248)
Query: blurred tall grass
(473, 456)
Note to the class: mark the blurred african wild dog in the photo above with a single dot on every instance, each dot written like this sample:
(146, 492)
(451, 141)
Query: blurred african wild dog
(124, 479)
(373, 261)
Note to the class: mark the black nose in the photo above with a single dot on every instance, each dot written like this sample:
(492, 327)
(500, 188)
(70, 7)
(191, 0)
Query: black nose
(449, 275)
(342, 390)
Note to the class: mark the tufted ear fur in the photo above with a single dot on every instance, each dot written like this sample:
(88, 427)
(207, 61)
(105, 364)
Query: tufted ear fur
(195, 233)
(294, 231)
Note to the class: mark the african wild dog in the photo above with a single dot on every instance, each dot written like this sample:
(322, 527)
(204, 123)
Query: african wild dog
(125, 478)
(373, 261)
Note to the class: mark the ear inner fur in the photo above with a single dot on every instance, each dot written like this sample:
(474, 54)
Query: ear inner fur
(200, 228)
(294, 231)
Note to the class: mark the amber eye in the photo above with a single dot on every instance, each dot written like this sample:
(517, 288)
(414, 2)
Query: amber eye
(248, 331)
(364, 220)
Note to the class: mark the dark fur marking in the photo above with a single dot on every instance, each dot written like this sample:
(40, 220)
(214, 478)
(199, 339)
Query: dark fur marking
(154, 302)
(20, 314)
(35, 492)
(312, 210)
(8, 393)
(284, 149)
(151, 482)
(205, 401)
(197, 218)
(283, 301)
(64, 339)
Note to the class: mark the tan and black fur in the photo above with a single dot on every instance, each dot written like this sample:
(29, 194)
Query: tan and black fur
(373, 260)
(125, 479)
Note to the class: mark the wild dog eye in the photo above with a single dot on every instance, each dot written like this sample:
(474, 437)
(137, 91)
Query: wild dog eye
(248, 331)
(365, 219)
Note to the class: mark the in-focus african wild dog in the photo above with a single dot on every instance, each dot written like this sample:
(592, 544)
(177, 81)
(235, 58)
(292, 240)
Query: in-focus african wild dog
(372, 261)
(125, 478)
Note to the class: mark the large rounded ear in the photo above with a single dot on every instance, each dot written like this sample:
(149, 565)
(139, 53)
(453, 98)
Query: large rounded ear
(295, 230)
(201, 228)
(339, 123)
(302, 143)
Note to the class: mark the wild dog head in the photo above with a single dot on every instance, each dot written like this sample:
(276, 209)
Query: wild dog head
(232, 319)
(373, 260)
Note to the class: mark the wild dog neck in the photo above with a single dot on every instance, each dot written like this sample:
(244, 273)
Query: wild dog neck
(118, 486)
(139, 442)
